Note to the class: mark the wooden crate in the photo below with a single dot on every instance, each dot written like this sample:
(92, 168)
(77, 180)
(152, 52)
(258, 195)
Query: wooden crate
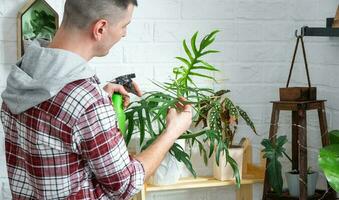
(298, 94)
(336, 19)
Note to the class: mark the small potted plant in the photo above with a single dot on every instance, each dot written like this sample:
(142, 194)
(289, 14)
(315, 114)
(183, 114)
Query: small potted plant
(273, 151)
(147, 116)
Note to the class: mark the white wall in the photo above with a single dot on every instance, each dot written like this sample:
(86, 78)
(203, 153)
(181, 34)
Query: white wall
(256, 41)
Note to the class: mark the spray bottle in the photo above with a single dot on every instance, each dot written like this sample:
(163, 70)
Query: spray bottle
(117, 99)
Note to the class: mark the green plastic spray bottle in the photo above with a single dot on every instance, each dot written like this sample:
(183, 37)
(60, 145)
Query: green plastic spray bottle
(117, 99)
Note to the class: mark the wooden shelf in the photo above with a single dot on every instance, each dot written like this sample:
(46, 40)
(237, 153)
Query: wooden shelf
(251, 174)
(321, 32)
(327, 31)
(200, 182)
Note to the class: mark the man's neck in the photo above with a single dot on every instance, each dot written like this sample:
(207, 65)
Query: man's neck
(73, 41)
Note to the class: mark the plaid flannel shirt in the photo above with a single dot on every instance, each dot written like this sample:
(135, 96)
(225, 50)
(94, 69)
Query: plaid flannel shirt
(68, 147)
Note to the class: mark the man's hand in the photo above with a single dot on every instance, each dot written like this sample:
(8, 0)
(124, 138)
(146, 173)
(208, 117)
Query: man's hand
(178, 121)
(110, 88)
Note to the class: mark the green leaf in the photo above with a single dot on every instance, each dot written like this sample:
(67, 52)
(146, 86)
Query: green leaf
(208, 42)
(183, 60)
(141, 126)
(328, 162)
(233, 111)
(178, 152)
(202, 75)
(148, 143)
(214, 118)
(211, 147)
(274, 175)
(193, 44)
(130, 127)
(156, 100)
(219, 150)
(202, 151)
(334, 137)
(149, 123)
(163, 109)
(208, 39)
(207, 64)
(191, 81)
(247, 119)
(205, 68)
(273, 151)
(187, 51)
(235, 169)
(209, 52)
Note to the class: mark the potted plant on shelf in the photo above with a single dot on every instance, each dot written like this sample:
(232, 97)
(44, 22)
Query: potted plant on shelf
(273, 151)
(219, 114)
(328, 160)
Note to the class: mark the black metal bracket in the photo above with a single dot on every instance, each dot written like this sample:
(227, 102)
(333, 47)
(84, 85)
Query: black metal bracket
(328, 31)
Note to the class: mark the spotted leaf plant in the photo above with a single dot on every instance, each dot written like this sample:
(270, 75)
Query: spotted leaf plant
(218, 114)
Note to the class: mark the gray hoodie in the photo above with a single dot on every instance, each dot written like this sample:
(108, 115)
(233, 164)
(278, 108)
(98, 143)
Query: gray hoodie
(40, 74)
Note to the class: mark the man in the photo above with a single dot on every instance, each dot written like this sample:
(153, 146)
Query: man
(61, 136)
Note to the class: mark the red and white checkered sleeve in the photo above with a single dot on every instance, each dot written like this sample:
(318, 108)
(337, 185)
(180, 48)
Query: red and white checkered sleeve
(99, 141)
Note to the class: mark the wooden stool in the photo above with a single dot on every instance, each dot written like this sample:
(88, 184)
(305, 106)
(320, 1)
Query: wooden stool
(299, 143)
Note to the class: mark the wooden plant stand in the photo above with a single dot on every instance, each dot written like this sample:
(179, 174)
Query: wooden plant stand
(299, 144)
(251, 174)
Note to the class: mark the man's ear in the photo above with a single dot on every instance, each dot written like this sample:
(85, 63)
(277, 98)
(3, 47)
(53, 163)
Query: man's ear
(99, 28)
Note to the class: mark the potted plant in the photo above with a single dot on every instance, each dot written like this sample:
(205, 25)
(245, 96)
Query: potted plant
(218, 112)
(328, 160)
(273, 151)
(147, 116)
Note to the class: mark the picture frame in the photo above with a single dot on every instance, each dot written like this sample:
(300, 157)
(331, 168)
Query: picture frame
(36, 20)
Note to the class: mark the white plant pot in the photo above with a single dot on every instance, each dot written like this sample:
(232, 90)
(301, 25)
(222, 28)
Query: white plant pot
(168, 172)
(224, 171)
(293, 183)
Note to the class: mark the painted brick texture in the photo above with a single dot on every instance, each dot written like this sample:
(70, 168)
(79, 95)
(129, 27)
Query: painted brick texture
(256, 43)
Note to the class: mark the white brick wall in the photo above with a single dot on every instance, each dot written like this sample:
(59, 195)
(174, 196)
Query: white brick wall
(256, 41)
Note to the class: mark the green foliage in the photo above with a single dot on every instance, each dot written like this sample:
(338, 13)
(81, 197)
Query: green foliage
(273, 150)
(43, 22)
(147, 117)
(329, 160)
(192, 65)
(41, 25)
(334, 137)
(219, 113)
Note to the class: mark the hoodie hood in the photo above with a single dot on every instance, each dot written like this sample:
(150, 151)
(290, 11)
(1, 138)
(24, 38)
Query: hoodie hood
(40, 74)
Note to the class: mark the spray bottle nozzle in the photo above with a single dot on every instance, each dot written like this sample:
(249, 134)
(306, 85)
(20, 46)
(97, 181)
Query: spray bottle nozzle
(126, 81)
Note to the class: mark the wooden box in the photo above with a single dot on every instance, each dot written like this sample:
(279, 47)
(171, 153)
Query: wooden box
(336, 19)
(298, 94)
